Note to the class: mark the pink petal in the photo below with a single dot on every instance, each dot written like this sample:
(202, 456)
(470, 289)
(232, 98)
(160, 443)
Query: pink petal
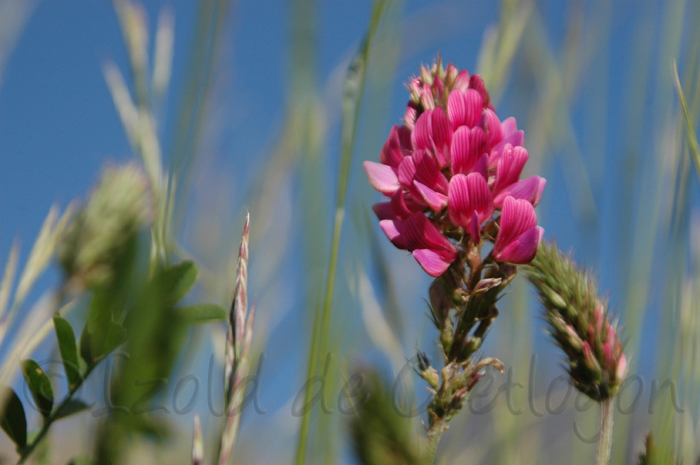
(428, 172)
(410, 116)
(509, 167)
(382, 177)
(398, 206)
(509, 126)
(392, 153)
(407, 171)
(517, 217)
(432, 262)
(492, 126)
(476, 83)
(482, 166)
(462, 80)
(475, 228)
(393, 229)
(529, 189)
(467, 149)
(441, 130)
(467, 195)
(435, 200)
(474, 104)
(516, 140)
(422, 234)
(422, 133)
(523, 249)
(438, 89)
(456, 108)
(405, 140)
(383, 211)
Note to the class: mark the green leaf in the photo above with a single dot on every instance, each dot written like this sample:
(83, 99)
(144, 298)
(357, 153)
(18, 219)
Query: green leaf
(39, 385)
(176, 281)
(71, 408)
(116, 336)
(12, 419)
(84, 345)
(99, 320)
(68, 350)
(202, 313)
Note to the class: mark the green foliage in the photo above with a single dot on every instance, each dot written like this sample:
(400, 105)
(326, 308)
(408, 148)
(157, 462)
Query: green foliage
(202, 313)
(13, 420)
(39, 385)
(69, 408)
(68, 350)
(380, 435)
(655, 455)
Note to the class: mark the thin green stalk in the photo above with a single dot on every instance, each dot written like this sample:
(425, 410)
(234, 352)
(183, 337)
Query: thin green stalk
(434, 435)
(606, 430)
(352, 108)
(691, 137)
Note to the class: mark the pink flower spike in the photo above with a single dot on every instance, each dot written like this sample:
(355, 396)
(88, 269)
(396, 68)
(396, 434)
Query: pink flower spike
(435, 200)
(422, 132)
(529, 189)
(382, 177)
(392, 153)
(519, 236)
(432, 262)
(469, 195)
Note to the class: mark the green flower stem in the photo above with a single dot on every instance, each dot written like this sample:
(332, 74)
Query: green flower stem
(606, 428)
(434, 435)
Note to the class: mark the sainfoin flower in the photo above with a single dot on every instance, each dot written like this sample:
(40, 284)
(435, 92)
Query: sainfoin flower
(453, 170)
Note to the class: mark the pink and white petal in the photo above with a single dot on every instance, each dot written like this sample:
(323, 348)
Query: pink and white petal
(474, 106)
(475, 228)
(383, 211)
(394, 231)
(407, 172)
(382, 177)
(422, 133)
(435, 200)
(523, 249)
(432, 262)
(410, 116)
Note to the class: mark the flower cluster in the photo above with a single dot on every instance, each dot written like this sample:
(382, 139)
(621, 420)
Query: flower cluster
(449, 168)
